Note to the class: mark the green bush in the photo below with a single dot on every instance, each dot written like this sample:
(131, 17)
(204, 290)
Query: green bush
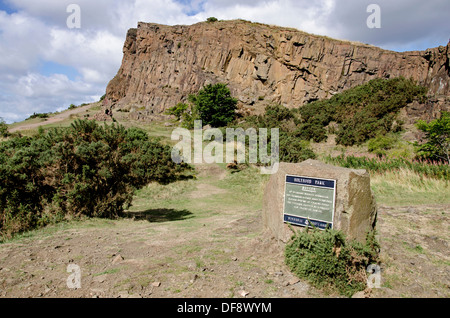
(215, 105)
(294, 150)
(381, 144)
(211, 19)
(84, 170)
(178, 110)
(362, 113)
(3, 129)
(437, 132)
(39, 115)
(329, 261)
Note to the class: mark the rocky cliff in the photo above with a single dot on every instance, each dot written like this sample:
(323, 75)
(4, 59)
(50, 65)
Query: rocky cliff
(261, 64)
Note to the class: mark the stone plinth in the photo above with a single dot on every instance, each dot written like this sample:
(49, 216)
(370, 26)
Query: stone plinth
(355, 208)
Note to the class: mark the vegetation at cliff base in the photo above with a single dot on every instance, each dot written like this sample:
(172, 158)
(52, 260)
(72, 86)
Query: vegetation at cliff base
(361, 113)
(84, 170)
(437, 134)
(213, 105)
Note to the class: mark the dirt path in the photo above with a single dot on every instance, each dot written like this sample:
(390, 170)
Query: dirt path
(171, 253)
(54, 119)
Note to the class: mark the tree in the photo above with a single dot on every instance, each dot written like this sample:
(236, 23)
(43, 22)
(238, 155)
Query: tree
(215, 105)
(437, 132)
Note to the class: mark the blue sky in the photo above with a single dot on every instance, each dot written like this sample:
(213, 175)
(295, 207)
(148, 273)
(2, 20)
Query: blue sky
(46, 66)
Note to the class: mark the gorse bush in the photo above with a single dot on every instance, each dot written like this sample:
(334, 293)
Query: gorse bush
(362, 113)
(84, 170)
(3, 128)
(328, 260)
(292, 148)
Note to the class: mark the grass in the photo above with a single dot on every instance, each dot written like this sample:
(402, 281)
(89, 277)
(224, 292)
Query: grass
(51, 230)
(109, 271)
(405, 187)
(173, 204)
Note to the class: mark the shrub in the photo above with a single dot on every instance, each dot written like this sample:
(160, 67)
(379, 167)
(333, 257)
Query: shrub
(362, 113)
(84, 170)
(328, 260)
(3, 129)
(215, 105)
(211, 20)
(437, 132)
(72, 106)
(178, 110)
(39, 115)
(294, 150)
(381, 144)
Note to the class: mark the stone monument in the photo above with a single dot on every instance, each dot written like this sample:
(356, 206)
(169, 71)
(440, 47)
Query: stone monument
(312, 193)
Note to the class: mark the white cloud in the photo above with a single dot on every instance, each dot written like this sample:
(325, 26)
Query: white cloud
(34, 92)
(38, 33)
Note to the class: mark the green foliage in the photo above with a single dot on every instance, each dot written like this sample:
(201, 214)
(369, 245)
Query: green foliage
(188, 118)
(381, 144)
(437, 132)
(39, 115)
(177, 110)
(72, 106)
(328, 260)
(211, 20)
(292, 148)
(362, 113)
(103, 97)
(84, 170)
(215, 105)
(3, 128)
(429, 169)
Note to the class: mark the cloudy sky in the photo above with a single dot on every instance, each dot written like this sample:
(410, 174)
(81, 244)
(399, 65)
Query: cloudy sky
(45, 66)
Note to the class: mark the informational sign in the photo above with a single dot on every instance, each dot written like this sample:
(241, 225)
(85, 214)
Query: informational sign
(309, 201)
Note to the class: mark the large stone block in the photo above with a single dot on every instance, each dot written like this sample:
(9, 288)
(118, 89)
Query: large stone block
(355, 207)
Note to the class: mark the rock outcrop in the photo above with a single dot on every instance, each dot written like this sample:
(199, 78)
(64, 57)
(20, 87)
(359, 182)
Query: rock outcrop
(261, 64)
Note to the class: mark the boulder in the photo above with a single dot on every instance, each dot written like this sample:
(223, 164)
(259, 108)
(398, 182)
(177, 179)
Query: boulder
(355, 207)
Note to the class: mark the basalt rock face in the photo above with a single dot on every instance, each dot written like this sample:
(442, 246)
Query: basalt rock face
(261, 64)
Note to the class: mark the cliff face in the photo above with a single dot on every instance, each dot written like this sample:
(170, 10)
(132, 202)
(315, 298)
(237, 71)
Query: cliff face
(261, 64)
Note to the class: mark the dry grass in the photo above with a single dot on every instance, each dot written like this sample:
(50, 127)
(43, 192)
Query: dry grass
(405, 187)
